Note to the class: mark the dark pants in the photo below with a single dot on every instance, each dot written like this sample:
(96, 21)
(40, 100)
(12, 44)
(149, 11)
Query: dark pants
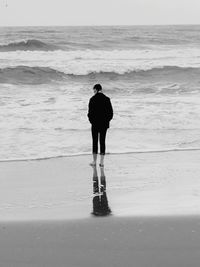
(98, 134)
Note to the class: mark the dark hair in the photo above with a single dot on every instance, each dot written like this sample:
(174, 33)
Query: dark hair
(98, 87)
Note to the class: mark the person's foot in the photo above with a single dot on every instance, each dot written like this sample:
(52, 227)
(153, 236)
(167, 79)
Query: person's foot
(93, 164)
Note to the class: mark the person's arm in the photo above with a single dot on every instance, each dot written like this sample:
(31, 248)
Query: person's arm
(90, 111)
(110, 110)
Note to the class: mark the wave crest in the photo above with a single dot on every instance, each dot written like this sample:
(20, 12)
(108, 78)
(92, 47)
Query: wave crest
(28, 45)
(41, 75)
(140, 73)
(30, 75)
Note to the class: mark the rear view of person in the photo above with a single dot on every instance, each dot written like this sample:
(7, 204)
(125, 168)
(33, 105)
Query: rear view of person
(100, 112)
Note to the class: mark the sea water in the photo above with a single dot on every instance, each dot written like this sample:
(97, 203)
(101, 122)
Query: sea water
(151, 74)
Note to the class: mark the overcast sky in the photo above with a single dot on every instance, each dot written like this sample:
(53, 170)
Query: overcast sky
(101, 12)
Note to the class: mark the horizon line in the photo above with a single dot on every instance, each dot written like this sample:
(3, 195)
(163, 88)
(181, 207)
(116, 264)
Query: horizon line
(103, 25)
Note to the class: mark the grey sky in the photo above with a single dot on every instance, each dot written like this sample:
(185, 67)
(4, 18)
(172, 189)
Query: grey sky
(101, 12)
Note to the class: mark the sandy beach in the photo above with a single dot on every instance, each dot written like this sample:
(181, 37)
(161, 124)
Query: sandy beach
(102, 242)
(48, 208)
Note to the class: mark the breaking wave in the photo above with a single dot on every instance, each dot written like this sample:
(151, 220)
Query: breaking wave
(28, 45)
(127, 73)
(30, 75)
(41, 75)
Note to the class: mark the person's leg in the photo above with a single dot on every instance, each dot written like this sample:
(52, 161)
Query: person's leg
(102, 160)
(94, 144)
(102, 145)
(94, 159)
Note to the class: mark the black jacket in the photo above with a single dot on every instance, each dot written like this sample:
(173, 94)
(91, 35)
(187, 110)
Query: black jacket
(100, 111)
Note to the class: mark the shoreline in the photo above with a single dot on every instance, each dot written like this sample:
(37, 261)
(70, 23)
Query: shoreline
(107, 154)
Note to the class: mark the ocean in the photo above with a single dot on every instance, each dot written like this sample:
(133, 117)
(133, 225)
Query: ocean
(151, 74)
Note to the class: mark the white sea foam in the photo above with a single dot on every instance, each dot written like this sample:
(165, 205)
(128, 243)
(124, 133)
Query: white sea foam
(88, 61)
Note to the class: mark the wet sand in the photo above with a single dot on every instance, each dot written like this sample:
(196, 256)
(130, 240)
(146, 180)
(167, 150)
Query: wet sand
(51, 211)
(109, 241)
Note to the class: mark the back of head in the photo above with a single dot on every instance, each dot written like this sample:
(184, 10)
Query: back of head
(98, 87)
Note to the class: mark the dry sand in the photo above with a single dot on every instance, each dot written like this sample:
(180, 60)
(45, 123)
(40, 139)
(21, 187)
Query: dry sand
(154, 198)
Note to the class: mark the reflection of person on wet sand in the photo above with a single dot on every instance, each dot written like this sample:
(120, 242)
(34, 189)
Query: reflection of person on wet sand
(100, 201)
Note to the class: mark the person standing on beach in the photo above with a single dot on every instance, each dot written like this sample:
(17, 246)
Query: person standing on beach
(100, 112)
